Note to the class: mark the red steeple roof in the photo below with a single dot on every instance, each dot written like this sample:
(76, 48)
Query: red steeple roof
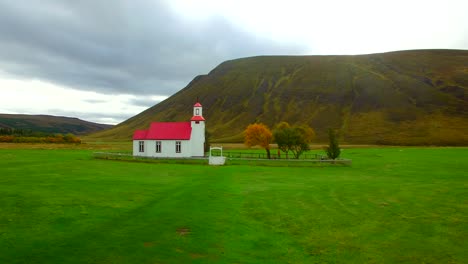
(197, 118)
(165, 131)
(197, 105)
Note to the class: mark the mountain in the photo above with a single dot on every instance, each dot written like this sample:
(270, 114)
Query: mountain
(416, 97)
(50, 124)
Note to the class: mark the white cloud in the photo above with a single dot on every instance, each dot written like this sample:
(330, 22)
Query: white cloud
(40, 97)
(343, 27)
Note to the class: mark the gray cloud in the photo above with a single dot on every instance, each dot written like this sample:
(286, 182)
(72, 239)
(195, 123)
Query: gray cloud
(109, 46)
(143, 101)
(94, 101)
(97, 117)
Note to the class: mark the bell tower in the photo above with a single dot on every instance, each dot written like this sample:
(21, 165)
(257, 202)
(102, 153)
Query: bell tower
(198, 131)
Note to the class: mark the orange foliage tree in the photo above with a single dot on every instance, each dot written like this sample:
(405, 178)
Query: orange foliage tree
(258, 135)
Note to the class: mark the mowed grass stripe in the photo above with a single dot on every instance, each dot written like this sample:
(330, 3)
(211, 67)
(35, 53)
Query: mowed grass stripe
(404, 205)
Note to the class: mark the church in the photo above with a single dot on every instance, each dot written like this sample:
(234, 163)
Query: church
(172, 139)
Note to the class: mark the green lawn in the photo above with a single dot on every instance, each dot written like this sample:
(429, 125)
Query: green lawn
(393, 205)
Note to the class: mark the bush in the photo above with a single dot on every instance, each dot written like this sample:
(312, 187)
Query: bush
(7, 139)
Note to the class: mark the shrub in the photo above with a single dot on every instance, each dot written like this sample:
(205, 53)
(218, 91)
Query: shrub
(333, 149)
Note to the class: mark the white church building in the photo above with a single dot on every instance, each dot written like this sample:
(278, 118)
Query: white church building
(172, 139)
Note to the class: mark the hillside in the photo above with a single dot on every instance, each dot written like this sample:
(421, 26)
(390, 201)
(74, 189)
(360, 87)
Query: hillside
(406, 97)
(50, 124)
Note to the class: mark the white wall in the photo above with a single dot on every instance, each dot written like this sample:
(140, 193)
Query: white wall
(168, 149)
(198, 139)
(136, 148)
(213, 160)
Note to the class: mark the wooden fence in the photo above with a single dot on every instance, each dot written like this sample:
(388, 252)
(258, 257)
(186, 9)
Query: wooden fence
(246, 155)
(234, 156)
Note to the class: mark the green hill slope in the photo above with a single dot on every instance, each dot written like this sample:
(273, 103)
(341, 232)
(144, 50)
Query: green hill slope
(50, 124)
(406, 97)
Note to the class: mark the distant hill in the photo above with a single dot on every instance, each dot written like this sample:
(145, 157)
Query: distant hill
(408, 97)
(50, 124)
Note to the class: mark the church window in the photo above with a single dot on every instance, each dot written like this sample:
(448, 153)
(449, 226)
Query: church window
(158, 146)
(178, 147)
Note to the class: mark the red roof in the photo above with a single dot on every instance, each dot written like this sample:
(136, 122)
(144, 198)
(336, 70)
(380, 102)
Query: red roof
(197, 118)
(166, 131)
(197, 105)
(140, 134)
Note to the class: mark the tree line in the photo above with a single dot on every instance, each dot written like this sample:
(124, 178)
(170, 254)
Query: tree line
(290, 139)
(11, 135)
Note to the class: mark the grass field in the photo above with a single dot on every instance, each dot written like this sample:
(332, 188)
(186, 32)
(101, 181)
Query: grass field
(393, 205)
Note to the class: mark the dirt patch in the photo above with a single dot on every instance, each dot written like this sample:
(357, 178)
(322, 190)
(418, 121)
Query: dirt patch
(196, 255)
(183, 231)
(148, 244)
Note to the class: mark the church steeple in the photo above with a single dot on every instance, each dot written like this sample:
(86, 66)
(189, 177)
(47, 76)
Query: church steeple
(197, 137)
(197, 113)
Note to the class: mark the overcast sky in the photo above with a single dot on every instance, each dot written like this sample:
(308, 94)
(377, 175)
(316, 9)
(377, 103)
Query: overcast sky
(107, 60)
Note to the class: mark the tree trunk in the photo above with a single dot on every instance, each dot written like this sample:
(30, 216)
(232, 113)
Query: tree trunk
(268, 153)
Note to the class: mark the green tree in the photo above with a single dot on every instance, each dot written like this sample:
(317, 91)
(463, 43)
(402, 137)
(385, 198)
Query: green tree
(293, 139)
(70, 138)
(258, 135)
(6, 131)
(333, 150)
(282, 137)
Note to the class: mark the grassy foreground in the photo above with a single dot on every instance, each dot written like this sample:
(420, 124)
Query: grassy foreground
(394, 205)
